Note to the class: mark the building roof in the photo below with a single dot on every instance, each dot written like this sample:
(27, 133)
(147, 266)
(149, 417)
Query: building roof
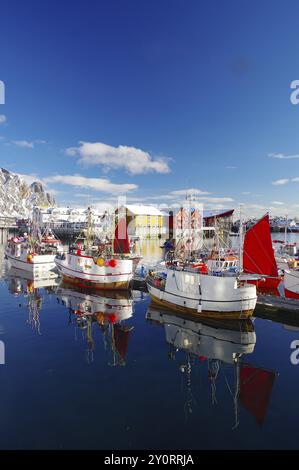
(218, 213)
(137, 209)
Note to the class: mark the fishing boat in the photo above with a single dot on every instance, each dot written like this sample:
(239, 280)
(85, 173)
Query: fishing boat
(33, 253)
(213, 347)
(188, 286)
(188, 291)
(94, 265)
(258, 256)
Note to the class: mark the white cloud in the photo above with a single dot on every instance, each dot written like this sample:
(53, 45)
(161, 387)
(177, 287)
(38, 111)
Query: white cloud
(24, 143)
(29, 144)
(231, 167)
(296, 180)
(215, 199)
(282, 156)
(246, 193)
(280, 182)
(278, 203)
(97, 184)
(186, 192)
(2, 118)
(132, 159)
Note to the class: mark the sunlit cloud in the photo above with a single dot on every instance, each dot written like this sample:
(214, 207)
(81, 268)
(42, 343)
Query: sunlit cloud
(281, 182)
(135, 161)
(97, 184)
(283, 156)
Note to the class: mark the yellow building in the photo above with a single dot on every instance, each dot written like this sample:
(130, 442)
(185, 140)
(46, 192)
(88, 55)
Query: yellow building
(145, 221)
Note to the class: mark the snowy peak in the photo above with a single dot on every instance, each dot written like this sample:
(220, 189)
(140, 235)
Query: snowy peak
(17, 198)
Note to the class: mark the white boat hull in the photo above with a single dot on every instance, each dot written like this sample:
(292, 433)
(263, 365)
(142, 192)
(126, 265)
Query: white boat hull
(209, 296)
(83, 271)
(39, 266)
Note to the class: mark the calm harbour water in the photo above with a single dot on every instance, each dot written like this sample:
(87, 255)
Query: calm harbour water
(124, 381)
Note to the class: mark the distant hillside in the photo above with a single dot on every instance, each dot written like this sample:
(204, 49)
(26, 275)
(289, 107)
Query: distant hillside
(17, 197)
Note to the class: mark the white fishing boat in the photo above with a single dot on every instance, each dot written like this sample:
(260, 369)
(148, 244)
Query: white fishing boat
(203, 294)
(33, 255)
(91, 265)
(187, 287)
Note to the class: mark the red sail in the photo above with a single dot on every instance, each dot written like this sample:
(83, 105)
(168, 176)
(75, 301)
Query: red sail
(258, 256)
(121, 242)
(255, 390)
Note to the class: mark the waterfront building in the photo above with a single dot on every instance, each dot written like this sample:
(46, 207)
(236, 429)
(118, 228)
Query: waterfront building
(144, 221)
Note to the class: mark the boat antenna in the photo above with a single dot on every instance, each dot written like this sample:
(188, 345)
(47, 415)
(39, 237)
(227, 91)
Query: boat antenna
(286, 230)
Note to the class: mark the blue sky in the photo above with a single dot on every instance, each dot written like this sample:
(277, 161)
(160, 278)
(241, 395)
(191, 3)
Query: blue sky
(152, 97)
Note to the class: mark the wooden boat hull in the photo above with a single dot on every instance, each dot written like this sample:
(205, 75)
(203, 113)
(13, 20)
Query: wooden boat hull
(245, 314)
(85, 283)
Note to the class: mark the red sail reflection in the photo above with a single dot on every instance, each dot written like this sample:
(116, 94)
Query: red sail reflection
(255, 390)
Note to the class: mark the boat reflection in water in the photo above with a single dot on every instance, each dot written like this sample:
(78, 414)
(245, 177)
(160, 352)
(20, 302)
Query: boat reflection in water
(26, 284)
(109, 312)
(218, 346)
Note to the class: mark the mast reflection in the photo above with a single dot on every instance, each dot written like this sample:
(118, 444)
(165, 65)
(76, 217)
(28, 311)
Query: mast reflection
(219, 346)
(107, 311)
(25, 285)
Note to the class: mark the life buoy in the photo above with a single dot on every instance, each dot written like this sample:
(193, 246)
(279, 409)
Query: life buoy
(100, 262)
(112, 263)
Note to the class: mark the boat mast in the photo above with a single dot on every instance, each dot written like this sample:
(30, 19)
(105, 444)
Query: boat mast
(286, 230)
(241, 241)
(89, 232)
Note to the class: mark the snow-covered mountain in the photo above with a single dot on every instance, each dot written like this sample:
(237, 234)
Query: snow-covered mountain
(17, 197)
